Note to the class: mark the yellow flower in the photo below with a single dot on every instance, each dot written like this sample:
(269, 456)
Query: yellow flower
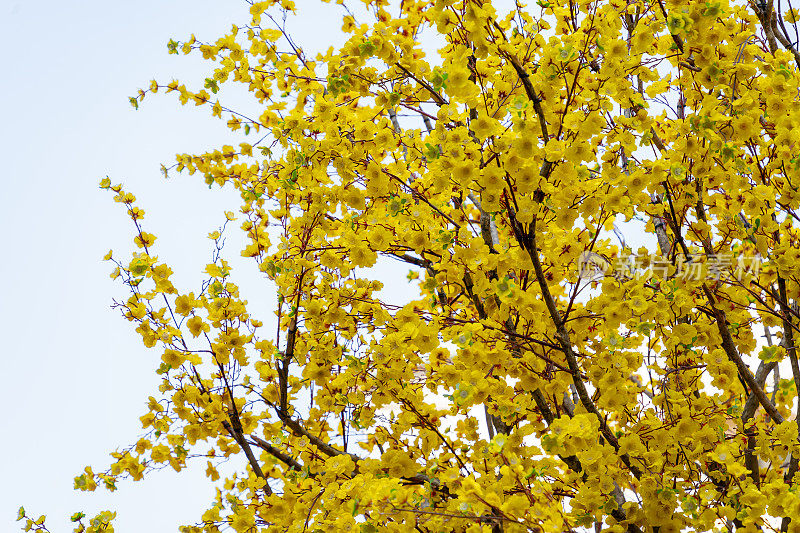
(377, 181)
(417, 240)
(318, 373)
(524, 146)
(483, 127)
(490, 201)
(184, 304)
(196, 326)
(457, 77)
(144, 239)
(399, 463)
(244, 518)
(615, 201)
(160, 453)
(425, 340)
(565, 218)
(470, 487)
(380, 239)
(686, 427)
(685, 333)
(554, 150)
(173, 358)
(590, 207)
(643, 38)
(616, 49)
(362, 256)
(776, 106)
(491, 177)
(354, 198)
(579, 151)
(463, 172)
(212, 474)
(149, 336)
(527, 179)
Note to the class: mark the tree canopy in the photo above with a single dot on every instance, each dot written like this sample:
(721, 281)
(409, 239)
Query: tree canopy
(543, 374)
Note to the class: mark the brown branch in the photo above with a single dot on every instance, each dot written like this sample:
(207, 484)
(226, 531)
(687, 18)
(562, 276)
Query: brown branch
(733, 354)
(525, 78)
(238, 436)
(323, 446)
(750, 457)
(765, 16)
(406, 258)
(563, 336)
(721, 321)
(288, 354)
(528, 242)
(751, 404)
(676, 38)
(440, 101)
(287, 459)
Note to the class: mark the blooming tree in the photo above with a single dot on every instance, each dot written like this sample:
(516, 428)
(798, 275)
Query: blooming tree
(542, 375)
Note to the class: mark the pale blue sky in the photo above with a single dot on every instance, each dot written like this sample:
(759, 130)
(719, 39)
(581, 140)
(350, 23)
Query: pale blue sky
(76, 375)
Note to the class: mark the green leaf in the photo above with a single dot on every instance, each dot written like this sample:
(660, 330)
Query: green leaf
(211, 84)
(431, 152)
(599, 46)
(439, 79)
(713, 9)
(216, 289)
(769, 354)
(366, 49)
(77, 516)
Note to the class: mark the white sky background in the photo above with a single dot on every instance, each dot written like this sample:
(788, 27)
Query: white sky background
(76, 374)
